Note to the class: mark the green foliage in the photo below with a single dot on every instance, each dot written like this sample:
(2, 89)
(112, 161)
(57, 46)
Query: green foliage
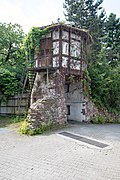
(8, 120)
(118, 121)
(112, 39)
(104, 55)
(87, 14)
(32, 43)
(12, 59)
(8, 83)
(71, 78)
(11, 39)
(98, 120)
(32, 46)
(25, 128)
(109, 120)
(105, 86)
(81, 12)
(86, 83)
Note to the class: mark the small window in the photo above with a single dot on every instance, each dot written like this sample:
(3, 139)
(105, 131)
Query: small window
(45, 52)
(68, 109)
(34, 99)
(83, 111)
(66, 49)
(45, 78)
(67, 88)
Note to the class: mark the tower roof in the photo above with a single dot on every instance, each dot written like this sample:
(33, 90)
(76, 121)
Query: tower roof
(69, 27)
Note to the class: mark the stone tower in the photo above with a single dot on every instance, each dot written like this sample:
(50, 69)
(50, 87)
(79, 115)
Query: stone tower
(57, 93)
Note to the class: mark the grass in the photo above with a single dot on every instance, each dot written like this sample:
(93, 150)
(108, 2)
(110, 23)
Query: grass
(20, 124)
(6, 121)
(45, 127)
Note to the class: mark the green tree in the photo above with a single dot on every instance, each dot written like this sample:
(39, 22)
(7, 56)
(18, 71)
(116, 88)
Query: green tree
(99, 78)
(84, 14)
(104, 55)
(88, 14)
(8, 84)
(114, 89)
(12, 56)
(11, 38)
(105, 86)
(112, 39)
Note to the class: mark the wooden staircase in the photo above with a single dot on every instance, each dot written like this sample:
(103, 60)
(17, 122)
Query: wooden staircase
(31, 78)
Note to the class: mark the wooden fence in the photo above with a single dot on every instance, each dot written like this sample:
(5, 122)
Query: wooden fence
(15, 105)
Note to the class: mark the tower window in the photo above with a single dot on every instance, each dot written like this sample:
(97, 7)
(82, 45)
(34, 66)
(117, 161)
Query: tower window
(67, 88)
(83, 111)
(68, 109)
(45, 78)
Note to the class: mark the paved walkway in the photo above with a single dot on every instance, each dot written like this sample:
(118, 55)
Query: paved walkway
(55, 157)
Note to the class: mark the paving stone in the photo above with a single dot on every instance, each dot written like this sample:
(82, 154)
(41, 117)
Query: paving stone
(55, 157)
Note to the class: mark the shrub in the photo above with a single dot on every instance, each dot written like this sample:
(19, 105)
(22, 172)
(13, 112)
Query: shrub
(118, 121)
(109, 120)
(9, 84)
(25, 128)
(101, 119)
(98, 120)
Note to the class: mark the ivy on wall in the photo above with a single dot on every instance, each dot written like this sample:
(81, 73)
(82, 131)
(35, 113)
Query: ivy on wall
(32, 43)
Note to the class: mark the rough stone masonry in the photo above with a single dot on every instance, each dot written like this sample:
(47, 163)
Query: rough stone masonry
(50, 106)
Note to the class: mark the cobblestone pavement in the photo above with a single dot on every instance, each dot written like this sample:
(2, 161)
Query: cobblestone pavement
(54, 157)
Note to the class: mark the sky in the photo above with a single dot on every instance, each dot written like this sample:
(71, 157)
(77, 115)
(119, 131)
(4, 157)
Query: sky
(30, 13)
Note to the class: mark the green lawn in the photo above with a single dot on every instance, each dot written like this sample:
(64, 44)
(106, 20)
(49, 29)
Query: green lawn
(9, 120)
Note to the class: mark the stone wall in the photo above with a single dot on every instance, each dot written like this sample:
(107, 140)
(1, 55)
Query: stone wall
(90, 108)
(47, 100)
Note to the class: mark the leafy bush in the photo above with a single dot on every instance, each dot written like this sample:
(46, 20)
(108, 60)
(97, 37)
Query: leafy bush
(118, 121)
(25, 128)
(98, 120)
(8, 83)
(109, 120)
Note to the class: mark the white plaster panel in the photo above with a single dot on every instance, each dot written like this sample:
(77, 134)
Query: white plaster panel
(65, 48)
(48, 35)
(84, 66)
(55, 34)
(75, 48)
(36, 63)
(76, 112)
(56, 62)
(65, 35)
(73, 35)
(55, 47)
(75, 64)
(64, 62)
